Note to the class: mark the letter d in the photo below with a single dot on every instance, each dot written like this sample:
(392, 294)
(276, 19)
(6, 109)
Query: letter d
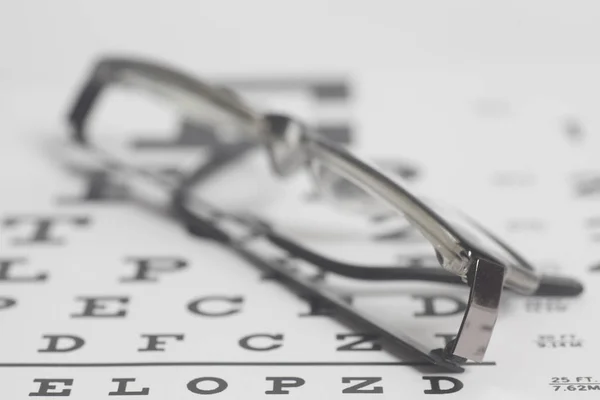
(62, 343)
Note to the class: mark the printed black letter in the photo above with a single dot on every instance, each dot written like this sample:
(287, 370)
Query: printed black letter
(147, 268)
(434, 381)
(154, 341)
(75, 343)
(94, 306)
(6, 275)
(193, 385)
(281, 382)
(363, 338)
(43, 227)
(195, 308)
(245, 342)
(46, 385)
(122, 388)
(364, 382)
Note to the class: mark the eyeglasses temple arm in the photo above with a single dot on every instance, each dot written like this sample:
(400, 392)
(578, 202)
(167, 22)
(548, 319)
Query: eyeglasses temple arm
(551, 285)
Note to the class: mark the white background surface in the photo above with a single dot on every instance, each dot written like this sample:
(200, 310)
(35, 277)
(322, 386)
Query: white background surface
(55, 40)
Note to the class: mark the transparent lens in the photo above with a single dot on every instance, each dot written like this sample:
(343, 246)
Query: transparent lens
(217, 107)
(386, 231)
(139, 130)
(344, 193)
(163, 140)
(467, 235)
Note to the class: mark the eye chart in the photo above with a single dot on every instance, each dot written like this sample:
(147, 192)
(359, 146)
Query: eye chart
(101, 297)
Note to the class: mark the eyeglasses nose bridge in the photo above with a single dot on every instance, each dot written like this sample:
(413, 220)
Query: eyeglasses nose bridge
(286, 142)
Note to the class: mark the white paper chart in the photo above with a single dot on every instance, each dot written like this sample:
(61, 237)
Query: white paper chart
(101, 297)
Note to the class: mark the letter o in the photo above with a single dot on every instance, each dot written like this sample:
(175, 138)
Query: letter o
(193, 385)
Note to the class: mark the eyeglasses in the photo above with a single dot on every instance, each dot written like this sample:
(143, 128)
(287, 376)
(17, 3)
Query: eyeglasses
(467, 252)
